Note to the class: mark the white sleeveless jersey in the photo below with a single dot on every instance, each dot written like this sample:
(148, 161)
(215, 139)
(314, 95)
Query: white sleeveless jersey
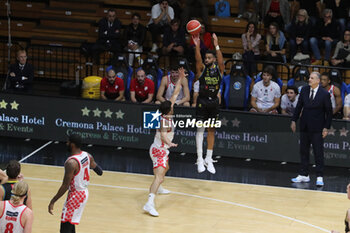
(82, 178)
(170, 90)
(10, 220)
(331, 92)
(168, 124)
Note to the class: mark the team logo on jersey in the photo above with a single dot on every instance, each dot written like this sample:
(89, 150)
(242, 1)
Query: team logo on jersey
(151, 120)
(237, 86)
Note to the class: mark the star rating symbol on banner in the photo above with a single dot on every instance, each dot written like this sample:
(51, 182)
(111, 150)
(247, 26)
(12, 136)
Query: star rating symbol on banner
(332, 131)
(97, 112)
(343, 132)
(14, 105)
(3, 104)
(85, 111)
(224, 121)
(235, 123)
(108, 113)
(120, 114)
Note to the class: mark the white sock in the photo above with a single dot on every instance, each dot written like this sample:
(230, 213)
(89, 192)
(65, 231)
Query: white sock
(151, 197)
(209, 154)
(199, 142)
(160, 188)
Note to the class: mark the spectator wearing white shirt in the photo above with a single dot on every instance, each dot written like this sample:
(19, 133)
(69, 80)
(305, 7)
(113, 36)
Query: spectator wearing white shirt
(162, 14)
(266, 93)
(289, 100)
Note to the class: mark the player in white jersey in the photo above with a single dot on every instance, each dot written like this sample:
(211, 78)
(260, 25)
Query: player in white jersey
(76, 179)
(334, 91)
(159, 150)
(167, 87)
(15, 216)
(289, 101)
(266, 93)
(346, 108)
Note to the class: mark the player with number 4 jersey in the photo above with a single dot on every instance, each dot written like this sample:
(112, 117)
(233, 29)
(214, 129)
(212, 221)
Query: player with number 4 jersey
(76, 180)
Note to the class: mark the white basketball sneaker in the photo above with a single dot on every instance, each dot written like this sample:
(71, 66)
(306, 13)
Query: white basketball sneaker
(301, 179)
(149, 208)
(210, 165)
(200, 165)
(162, 190)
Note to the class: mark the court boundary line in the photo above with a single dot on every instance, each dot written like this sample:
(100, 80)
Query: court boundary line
(35, 151)
(204, 180)
(199, 197)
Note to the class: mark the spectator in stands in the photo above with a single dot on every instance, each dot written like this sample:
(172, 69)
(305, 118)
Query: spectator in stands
(141, 88)
(341, 55)
(289, 101)
(242, 5)
(21, 74)
(275, 44)
(109, 36)
(194, 6)
(334, 92)
(276, 11)
(112, 87)
(206, 42)
(325, 35)
(162, 14)
(174, 41)
(251, 41)
(167, 87)
(340, 12)
(266, 93)
(299, 34)
(313, 8)
(346, 108)
(134, 37)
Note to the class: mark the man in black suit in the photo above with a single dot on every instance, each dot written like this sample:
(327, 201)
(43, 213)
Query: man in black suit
(109, 36)
(315, 107)
(21, 74)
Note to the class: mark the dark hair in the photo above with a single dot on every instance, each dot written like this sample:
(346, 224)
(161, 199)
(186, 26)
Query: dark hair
(174, 21)
(211, 52)
(174, 66)
(346, 30)
(272, 71)
(255, 29)
(13, 169)
(294, 88)
(275, 25)
(165, 107)
(111, 10)
(161, 1)
(75, 139)
(137, 15)
(326, 74)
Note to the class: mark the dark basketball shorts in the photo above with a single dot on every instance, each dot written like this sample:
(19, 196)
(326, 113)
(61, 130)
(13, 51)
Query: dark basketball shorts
(207, 108)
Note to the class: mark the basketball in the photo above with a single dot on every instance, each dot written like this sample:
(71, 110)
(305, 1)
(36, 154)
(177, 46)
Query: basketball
(194, 27)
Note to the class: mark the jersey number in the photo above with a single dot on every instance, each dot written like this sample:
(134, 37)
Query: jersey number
(86, 174)
(9, 228)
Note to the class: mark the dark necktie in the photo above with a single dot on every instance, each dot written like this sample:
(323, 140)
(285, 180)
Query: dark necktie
(312, 94)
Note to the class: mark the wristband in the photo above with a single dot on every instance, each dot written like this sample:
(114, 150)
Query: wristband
(217, 47)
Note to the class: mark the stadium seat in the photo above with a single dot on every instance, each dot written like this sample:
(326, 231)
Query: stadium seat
(299, 78)
(337, 79)
(152, 71)
(236, 87)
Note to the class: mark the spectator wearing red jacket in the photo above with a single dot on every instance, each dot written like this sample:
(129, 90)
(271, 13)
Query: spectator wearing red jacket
(112, 87)
(141, 88)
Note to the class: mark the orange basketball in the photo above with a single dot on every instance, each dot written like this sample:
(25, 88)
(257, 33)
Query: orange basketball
(194, 27)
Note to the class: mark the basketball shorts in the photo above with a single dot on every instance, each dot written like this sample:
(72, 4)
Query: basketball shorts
(207, 109)
(74, 206)
(159, 156)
